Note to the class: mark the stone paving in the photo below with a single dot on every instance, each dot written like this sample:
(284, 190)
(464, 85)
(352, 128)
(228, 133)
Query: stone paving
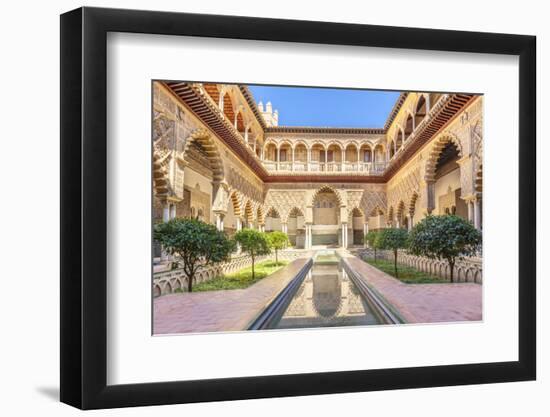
(225, 310)
(234, 310)
(424, 303)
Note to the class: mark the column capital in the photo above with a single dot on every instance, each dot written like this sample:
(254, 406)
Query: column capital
(470, 198)
(172, 199)
(222, 213)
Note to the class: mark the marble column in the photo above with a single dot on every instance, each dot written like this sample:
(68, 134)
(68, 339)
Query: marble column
(477, 214)
(166, 212)
(344, 233)
(219, 221)
(172, 211)
(470, 211)
(308, 242)
(238, 227)
(365, 231)
(346, 236)
(284, 227)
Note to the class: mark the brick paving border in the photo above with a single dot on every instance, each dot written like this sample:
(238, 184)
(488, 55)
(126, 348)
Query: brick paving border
(220, 311)
(423, 303)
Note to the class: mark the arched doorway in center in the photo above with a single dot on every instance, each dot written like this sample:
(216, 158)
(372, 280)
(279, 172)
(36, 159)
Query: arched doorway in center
(326, 218)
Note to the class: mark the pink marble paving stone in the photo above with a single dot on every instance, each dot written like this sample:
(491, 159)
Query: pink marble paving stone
(424, 303)
(215, 311)
(234, 310)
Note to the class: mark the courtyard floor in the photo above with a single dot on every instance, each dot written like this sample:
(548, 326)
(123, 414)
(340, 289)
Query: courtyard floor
(215, 311)
(424, 303)
(234, 310)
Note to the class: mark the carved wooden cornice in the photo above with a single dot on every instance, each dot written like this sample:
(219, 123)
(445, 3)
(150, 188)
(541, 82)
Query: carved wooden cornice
(444, 111)
(194, 98)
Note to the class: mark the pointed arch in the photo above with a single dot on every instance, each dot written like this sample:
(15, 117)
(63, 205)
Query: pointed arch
(227, 104)
(207, 144)
(294, 211)
(356, 211)
(248, 212)
(420, 109)
(435, 152)
(235, 199)
(272, 212)
(412, 203)
(161, 183)
(390, 216)
(213, 91)
(409, 126)
(400, 212)
(376, 211)
(392, 149)
(329, 189)
(399, 139)
(240, 122)
(260, 215)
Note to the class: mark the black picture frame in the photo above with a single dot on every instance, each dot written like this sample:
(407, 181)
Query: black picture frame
(84, 207)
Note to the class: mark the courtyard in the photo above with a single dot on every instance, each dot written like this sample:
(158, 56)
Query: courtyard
(377, 195)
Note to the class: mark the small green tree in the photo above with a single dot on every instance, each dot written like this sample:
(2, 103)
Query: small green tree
(196, 243)
(370, 238)
(446, 237)
(392, 239)
(277, 241)
(254, 243)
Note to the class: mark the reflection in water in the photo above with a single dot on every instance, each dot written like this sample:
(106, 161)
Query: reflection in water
(326, 298)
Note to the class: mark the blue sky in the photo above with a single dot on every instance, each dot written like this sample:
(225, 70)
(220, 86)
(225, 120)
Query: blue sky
(327, 107)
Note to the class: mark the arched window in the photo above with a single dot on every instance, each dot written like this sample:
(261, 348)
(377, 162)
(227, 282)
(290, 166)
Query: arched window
(409, 127)
(420, 111)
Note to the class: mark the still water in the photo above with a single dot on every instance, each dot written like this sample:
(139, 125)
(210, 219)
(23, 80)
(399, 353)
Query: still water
(327, 298)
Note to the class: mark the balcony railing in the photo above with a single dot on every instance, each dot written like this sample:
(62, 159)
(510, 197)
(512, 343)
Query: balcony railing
(365, 168)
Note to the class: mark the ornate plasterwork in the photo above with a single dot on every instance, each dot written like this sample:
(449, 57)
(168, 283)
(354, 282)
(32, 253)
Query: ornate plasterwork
(176, 128)
(403, 187)
(237, 181)
(207, 143)
(283, 201)
(367, 201)
(436, 148)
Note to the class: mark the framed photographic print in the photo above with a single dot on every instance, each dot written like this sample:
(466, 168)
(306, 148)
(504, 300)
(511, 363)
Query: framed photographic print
(257, 208)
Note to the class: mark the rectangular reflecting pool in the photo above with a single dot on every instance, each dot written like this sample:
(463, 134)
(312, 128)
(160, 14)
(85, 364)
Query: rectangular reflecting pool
(326, 298)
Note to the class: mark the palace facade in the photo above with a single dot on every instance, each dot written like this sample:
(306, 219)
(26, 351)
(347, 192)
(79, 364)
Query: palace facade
(220, 156)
